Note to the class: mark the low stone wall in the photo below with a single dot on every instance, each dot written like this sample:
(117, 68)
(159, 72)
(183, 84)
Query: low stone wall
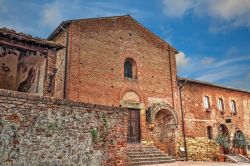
(36, 130)
(200, 148)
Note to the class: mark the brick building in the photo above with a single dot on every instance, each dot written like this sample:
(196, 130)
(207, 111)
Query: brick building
(210, 109)
(25, 61)
(115, 61)
(118, 63)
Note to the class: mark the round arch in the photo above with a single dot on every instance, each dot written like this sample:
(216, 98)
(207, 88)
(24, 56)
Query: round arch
(156, 107)
(130, 88)
(165, 122)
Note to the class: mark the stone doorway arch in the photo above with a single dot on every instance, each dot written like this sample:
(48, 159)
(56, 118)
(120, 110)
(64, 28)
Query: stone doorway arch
(164, 133)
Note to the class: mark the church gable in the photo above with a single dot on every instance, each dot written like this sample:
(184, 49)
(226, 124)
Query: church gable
(115, 23)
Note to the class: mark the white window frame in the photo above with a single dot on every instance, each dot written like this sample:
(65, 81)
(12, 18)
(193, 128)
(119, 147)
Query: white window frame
(206, 102)
(233, 106)
(220, 104)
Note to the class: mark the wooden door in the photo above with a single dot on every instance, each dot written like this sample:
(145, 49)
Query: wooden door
(133, 126)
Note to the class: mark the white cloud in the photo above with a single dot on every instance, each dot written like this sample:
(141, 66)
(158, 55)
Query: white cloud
(51, 14)
(181, 59)
(226, 9)
(56, 11)
(227, 71)
(177, 8)
(218, 75)
(226, 14)
(207, 60)
(232, 60)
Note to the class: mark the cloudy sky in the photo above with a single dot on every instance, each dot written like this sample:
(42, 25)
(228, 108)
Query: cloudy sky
(213, 36)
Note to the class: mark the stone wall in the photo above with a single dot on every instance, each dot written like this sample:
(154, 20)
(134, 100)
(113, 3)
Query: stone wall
(200, 148)
(48, 131)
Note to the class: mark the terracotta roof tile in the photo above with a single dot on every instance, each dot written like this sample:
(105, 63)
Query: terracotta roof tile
(19, 36)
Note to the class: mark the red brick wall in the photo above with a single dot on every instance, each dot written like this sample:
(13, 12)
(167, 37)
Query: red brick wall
(197, 119)
(97, 50)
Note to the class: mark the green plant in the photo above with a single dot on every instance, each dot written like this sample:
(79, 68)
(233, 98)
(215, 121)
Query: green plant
(105, 121)
(94, 134)
(239, 140)
(222, 140)
(52, 126)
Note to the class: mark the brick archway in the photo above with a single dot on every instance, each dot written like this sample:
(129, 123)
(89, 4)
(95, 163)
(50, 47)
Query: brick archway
(129, 88)
(156, 107)
(164, 133)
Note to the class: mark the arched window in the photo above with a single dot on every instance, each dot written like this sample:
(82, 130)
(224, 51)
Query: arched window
(233, 106)
(209, 132)
(206, 102)
(130, 70)
(220, 104)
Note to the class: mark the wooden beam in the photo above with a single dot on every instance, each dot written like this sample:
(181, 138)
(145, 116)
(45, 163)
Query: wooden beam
(22, 45)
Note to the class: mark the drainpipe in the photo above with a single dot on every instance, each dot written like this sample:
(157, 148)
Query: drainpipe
(170, 70)
(181, 85)
(66, 62)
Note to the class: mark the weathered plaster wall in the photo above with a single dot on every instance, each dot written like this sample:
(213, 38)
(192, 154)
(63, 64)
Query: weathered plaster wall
(20, 68)
(42, 130)
(60, 65)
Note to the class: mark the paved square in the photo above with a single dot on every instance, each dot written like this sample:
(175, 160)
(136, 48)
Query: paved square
(201, 163)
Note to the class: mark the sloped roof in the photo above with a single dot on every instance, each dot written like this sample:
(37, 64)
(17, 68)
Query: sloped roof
(212, 84)
(22, 37)
(65, 24)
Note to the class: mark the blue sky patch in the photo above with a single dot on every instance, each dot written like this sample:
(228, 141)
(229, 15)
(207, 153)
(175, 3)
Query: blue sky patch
(213, 36)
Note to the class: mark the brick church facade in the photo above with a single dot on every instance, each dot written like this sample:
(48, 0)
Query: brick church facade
(98, 54)
(116, 62)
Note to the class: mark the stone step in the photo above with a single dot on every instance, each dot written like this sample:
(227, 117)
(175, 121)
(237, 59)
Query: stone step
(151, 162)
(143, 149)
(142, 153)
(237, 158)
(150, 159)
(140, 146)
(148, 155)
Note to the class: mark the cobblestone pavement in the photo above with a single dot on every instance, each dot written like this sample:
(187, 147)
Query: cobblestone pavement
(202, 163)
